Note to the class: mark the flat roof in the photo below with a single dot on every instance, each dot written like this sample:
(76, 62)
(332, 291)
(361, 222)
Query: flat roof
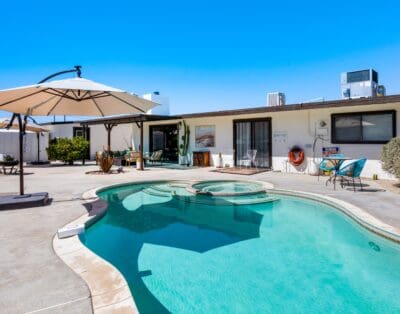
(232, 112)
(300, 106)
(58, 122)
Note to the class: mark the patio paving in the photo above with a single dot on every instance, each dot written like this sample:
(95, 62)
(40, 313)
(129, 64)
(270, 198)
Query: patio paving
(34, 279)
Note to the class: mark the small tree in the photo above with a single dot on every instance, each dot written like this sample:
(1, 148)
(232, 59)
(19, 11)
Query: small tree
(68, 150)
(391, 156)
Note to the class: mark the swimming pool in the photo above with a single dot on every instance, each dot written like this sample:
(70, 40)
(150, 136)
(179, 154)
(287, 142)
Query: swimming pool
(181, 252)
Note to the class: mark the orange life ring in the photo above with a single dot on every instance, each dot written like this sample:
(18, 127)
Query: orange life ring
(296, 156)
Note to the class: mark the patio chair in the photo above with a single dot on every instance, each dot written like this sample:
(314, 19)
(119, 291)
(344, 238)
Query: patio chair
(131, 157)
(250, 159)
(327, 165)
(154, 157)
(348, 172)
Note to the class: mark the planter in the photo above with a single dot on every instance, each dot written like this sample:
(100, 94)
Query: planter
(220, 163)
(184, 160)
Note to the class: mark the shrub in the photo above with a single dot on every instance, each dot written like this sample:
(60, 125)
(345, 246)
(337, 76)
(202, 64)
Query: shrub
(9, 158)
(68, 150)
(391, 157)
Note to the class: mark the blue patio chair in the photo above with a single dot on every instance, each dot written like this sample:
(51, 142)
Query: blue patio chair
(351, 171)
(327, 165)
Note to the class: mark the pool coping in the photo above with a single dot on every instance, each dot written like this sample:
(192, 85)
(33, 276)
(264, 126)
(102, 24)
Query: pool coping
(108, 288)
(109, 291)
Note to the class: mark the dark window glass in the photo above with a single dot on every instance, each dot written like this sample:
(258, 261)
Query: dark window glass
(358, 76)
(348, 128)
(377, 127)
(375, 76)
(363, 127)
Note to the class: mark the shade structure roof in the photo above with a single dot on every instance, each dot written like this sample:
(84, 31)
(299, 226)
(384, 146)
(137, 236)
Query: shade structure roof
(123, 119)
(29, 126)
(75, 96)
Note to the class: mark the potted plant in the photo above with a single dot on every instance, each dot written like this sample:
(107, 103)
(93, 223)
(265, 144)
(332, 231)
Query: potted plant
(106, 162)
(138, 163)
(183, 147)
(220, 162)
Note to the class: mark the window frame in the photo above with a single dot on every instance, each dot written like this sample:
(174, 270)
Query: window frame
(361, 113)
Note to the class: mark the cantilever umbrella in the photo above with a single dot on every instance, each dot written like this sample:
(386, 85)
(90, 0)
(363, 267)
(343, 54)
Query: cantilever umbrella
(74, 96)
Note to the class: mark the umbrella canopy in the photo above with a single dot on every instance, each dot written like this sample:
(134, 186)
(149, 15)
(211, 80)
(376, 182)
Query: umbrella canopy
(29, 126)
(75, 96)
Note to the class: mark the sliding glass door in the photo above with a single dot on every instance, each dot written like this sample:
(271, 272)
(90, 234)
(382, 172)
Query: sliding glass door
(252, 142)
(165, 137)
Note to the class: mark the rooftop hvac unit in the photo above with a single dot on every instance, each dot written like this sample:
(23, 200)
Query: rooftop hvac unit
(381, 91)
(359, 84)
(275, 99)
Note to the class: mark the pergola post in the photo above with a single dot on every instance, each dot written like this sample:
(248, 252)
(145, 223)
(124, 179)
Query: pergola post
(141, 146)
(109, 127)
(84, 136)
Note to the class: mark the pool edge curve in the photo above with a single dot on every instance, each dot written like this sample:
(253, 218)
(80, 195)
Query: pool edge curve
(109, 289)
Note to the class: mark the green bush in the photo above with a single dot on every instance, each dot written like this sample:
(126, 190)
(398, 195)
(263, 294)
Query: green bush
(391, 157)
(9, 158)
(68, 150)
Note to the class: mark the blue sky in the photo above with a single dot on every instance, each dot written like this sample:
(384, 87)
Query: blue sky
(204, 55)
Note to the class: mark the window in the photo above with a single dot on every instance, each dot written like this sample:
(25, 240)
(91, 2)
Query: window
(364, 127)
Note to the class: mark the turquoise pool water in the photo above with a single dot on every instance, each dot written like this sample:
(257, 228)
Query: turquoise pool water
(183, 253)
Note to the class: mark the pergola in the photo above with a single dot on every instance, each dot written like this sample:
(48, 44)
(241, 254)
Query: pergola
(139, 119)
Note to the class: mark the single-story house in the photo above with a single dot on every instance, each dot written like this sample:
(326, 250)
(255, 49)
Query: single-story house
(354, 127)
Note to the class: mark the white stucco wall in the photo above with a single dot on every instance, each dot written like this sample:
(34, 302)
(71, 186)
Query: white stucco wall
(299, 126)
(9, 145)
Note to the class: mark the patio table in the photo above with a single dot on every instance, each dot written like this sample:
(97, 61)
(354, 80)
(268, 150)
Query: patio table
(336, 162)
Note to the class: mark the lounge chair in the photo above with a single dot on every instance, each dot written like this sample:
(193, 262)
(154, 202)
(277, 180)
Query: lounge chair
(350, 171)
(154, 157)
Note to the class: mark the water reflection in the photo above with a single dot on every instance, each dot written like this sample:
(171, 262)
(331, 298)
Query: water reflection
(189, 222)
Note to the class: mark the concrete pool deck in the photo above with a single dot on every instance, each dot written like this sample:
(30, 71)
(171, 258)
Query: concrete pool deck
(34, 279)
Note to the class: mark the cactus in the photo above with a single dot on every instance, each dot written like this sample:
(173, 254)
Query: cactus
(183, 147)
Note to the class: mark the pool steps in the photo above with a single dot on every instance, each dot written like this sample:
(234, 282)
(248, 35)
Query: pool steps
(252, 198)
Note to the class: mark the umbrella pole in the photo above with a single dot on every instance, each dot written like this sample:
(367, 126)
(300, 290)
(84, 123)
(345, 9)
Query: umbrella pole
(38, 146)
(21, 155)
